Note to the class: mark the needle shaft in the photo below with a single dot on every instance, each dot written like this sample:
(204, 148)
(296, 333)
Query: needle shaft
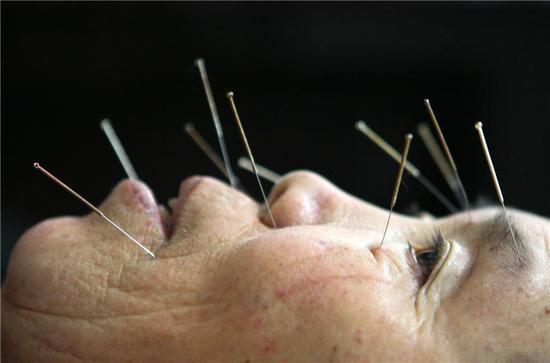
(91, 206)
(264, 172)
(406, 146)
(119, 149)
(217, 124)
(230, 96)
(395, 155)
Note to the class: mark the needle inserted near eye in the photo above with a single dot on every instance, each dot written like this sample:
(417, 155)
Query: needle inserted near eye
(92, 207)
(464, 199)
(479, 128)
(217, 124)
(118, 148)
(395, 155)
(230, 96)
(264, 172)
(408, 139)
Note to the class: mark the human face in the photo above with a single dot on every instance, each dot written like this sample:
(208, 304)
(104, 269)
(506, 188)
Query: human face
(227, 286)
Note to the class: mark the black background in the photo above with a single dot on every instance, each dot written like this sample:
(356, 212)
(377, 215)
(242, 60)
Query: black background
(302, 75)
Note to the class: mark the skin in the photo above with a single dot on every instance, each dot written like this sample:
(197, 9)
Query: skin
(226, 286)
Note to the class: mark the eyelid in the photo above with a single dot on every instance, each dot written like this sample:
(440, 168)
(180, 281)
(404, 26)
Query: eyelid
(416, 271)
(420, 275)
(443, 254)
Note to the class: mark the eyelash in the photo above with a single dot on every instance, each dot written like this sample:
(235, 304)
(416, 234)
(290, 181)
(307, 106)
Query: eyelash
(424, 266)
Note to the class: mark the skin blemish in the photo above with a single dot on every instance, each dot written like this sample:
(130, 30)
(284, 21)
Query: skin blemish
(333, 353)
(258, 323)
(547, 310)
(268, 345)
(280, 293)
(358, 337)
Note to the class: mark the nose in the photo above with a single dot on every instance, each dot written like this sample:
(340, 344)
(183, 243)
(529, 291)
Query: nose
(303, 198)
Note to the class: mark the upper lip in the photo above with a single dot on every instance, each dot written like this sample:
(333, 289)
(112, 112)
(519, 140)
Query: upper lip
(186, 189)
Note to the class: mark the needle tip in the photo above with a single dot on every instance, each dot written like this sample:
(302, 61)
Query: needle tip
(36, 165)
(360, 125)
(408, 137)
(229, 94)
(426, 101)
(479, 125)
(199, 61)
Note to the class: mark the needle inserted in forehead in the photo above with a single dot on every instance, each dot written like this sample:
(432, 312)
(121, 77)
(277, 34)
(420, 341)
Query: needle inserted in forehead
(91, 206)
(395, 155)
(119, 150)
(479, 128)
(217, 124)
(464, 200)
(249, 152)
(404, 155)
(201, 142)
(264, 172)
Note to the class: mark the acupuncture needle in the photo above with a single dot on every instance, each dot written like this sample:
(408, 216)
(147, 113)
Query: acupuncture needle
(464, 200)
(479, 128)
(217, 124)
(109, 131)
(91, 206)
(411, 169)
(205, 147)
(264, 172)
(230, 96)
(402, 164)
(437, 155)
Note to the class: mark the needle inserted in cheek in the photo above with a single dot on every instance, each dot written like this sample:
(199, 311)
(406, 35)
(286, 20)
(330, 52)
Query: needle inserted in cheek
(119, 149)
(249, 152)
(92, 207)
(405, 153)
(479, 128)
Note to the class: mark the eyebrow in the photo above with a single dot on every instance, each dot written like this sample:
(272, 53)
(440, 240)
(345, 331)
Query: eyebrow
(509, 255)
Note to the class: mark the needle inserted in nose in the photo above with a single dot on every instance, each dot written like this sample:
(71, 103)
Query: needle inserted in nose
(479, 128)
(118, 148)
(217, 124)
(404, 155)
(91, 206)
(395, 155)
(230, 96)
(464, 200)
(264, 172)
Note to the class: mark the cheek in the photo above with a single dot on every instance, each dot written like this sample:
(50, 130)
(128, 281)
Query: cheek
(307, 296)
